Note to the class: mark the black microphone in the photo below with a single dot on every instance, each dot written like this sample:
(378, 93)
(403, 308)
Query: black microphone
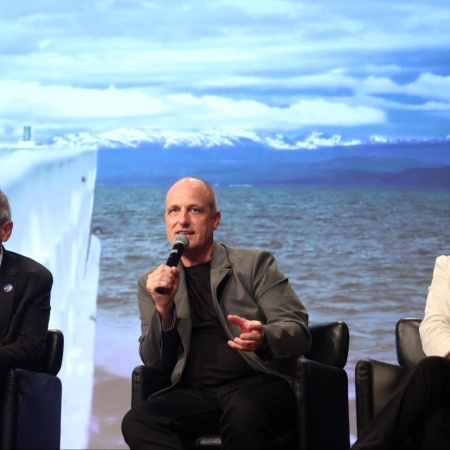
(180, 242)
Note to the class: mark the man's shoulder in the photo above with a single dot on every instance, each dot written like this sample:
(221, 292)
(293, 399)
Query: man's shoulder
(242, 254)
(442, 267)
(25, 263)
(444, 260)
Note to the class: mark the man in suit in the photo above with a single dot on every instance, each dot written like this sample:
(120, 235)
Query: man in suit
(25, 287)
(225, 327)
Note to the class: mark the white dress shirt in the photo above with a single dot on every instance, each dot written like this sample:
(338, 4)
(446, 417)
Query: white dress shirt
(435, 327)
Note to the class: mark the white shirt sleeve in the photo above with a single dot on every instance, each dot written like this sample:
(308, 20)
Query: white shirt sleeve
(435, 327)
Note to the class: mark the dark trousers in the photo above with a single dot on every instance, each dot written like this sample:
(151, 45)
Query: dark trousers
(417, 415)
(246, 414)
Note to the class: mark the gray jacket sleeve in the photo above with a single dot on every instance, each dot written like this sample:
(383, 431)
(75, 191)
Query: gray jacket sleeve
(157, 348)
(286, 320)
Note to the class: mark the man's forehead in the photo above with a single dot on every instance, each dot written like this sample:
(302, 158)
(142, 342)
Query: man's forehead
(187, 193)
(186, 201)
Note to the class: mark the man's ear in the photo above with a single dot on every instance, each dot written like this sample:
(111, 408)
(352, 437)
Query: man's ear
(216, 219)
(6, 230)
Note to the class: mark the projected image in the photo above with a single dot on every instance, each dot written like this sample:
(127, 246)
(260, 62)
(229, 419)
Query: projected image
(324, 129)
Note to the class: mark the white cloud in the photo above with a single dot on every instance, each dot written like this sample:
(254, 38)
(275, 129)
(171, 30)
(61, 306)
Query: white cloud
(81, 108)
(437, 107)
(322, 112)
(215, 111)
(280, 63)
(45, 43)
(65, 102)
(429, 85)
(426, 86)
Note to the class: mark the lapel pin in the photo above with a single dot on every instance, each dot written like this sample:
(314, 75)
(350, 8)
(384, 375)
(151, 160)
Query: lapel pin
(8, 288)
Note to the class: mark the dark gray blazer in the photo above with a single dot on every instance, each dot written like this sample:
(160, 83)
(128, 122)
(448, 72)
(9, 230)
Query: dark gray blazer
(245, 283)
(25, 287)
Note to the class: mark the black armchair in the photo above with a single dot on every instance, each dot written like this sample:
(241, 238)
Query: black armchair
(321, 390)
(375, 381)
(30, 408)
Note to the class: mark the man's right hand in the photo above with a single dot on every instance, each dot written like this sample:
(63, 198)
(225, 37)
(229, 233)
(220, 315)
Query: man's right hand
(167, 278)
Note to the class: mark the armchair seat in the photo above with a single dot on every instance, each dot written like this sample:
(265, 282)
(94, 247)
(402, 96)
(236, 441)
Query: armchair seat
(321, 390)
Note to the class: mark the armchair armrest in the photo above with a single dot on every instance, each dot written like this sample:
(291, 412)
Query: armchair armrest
(322, 398)
(374, 382)
(145, 381)
(54, 350)
(330, 342)
(408, 343)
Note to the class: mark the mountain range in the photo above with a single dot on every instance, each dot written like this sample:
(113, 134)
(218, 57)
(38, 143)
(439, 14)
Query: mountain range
(240, 157)
(224, 137)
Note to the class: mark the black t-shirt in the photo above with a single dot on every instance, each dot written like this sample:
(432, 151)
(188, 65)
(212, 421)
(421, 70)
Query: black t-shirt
(211, 361)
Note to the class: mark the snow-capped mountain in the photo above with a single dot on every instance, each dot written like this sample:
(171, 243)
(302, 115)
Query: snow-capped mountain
(141, 156)
(224, 137)
(134, 137)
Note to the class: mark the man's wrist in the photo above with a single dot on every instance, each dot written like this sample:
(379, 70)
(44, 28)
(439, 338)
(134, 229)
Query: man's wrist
(168, 322)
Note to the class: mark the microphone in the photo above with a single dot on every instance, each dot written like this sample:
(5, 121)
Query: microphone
(180, 242)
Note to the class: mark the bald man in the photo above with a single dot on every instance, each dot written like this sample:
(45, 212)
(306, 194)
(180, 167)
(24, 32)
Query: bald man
(224, 326)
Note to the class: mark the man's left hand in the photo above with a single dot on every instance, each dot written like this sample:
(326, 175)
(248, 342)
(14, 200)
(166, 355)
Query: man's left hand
(251, 338)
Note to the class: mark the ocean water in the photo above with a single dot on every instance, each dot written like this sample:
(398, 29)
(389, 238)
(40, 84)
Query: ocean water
(362, 256)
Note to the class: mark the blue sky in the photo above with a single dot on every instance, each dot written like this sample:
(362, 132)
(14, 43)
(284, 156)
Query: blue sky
(353, 68)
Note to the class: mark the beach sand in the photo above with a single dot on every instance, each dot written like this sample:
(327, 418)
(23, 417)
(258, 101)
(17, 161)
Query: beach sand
(111, 400)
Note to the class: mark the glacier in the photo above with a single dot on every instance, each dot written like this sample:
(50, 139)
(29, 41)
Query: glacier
(51, 190)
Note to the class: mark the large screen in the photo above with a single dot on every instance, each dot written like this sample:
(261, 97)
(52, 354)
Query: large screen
(323, 126)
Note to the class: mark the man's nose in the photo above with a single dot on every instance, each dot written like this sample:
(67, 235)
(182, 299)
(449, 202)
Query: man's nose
(183, 217)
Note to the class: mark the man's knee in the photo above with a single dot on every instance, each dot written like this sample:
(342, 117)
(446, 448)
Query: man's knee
(137, 420)
(128, 425)
(434, 362)
(433, 368)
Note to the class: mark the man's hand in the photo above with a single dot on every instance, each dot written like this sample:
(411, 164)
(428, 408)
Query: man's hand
(251, 338)
(167, 278)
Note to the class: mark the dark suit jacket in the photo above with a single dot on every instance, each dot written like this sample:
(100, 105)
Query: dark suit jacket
(25, 287)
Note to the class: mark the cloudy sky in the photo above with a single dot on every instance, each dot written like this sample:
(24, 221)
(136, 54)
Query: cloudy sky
(288, 66)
